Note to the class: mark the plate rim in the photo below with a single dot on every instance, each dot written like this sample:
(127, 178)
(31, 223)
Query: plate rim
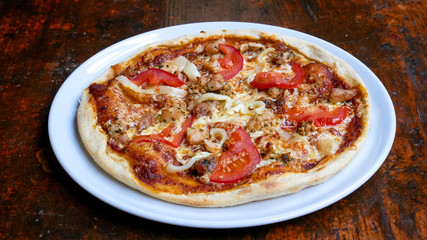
(219, 223)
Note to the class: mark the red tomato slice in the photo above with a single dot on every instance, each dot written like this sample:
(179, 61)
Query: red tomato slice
(264, 80)
(321, 116)
(156, 77)
(232, 61)
(177, 139)
(238, 161)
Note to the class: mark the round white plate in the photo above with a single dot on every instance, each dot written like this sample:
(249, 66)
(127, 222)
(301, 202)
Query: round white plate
(79, 165)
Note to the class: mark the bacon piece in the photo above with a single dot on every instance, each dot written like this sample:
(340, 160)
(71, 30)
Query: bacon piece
(111, 107)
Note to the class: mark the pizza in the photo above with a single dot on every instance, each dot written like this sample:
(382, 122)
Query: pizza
(223, 118)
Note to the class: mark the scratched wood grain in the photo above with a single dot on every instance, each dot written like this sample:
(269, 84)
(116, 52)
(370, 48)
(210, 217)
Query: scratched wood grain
(43, 42)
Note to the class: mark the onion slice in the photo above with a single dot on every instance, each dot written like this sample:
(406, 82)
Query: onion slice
(187, 67)
(173, 169)
(216, 97)
(172, 91)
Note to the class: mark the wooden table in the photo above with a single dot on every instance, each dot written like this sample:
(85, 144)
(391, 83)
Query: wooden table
(43, 42)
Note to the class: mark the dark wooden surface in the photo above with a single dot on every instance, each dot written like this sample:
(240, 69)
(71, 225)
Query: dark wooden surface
(43, 41)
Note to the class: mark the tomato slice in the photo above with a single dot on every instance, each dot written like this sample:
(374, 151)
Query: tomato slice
(320, 115)
(232, 61)
(156, 77)
(264, 80)
(177, 139)
(238, 161)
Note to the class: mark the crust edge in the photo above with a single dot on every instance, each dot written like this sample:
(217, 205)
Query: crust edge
(95, 140)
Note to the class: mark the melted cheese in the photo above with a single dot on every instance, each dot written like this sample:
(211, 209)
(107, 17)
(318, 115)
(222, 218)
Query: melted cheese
(240, 107)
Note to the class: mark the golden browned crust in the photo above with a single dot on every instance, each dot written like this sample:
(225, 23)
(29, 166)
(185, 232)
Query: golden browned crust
(95, 139)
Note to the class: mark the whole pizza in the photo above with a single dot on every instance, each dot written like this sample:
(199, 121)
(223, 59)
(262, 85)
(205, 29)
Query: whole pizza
(224, 118)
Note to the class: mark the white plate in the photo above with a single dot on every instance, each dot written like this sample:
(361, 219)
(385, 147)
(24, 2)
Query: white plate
(79, 165)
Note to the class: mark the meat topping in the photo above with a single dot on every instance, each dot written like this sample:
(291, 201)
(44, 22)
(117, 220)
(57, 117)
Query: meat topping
(212, 48)
(277, 106)
(319, 75)
(145, 121)
(212, 65)
(259, 121)
(201, 109)
(196, 136)
(342, 95)
(203, 166)
(215, 83)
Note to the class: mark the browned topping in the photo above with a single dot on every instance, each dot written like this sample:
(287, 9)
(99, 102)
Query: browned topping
(279, 46)
(320, 75)
(309, 166)
(145, 121)
(212, 48)
(280, 58)
(251, 46)
(259, 121)
(305, 128)
(97, 89)
(110, 104)
(278, 106)
(285, 158)
(203, 166)
(215, 83)
(173, 111)
(149, 161)
(196, 136)
(353, 132)
(192, 97)
(334, 131)
(342, 95)
(212, 65)
(201, 109)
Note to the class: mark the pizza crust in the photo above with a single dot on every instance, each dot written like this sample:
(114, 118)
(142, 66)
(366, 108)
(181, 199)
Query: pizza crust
(95, 139)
